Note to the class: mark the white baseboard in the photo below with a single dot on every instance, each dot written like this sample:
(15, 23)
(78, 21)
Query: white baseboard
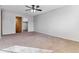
(8, 33)
(68, 38)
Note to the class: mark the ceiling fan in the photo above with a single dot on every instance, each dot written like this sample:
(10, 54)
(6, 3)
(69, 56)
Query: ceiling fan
(33, 8)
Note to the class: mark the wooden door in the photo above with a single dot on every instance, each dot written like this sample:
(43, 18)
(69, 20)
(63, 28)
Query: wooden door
(18, 24)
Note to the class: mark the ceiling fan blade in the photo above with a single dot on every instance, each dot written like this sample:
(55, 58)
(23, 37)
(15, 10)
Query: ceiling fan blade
(33, 7)
(27, 9)
(28, 6)
(38, 9)
(37, 6)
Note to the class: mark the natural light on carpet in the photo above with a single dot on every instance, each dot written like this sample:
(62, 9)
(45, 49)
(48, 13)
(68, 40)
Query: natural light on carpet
(22, 49)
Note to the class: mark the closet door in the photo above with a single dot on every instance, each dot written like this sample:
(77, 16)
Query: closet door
(18, 24)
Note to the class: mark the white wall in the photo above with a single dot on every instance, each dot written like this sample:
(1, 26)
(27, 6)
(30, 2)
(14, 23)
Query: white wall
(30, 24)
(0, 23)
(9, 21)
(25, 19)
(61, 22)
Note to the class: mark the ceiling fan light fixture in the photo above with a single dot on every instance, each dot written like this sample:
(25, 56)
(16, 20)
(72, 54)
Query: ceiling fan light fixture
(33, 11)
(33, 8)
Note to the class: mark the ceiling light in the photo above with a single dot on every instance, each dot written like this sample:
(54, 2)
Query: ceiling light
(33, 11)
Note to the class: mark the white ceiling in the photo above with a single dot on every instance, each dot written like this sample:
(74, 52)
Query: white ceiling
(21, 8)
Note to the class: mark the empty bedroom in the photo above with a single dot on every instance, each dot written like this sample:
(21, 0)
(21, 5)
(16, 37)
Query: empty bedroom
(39, 28)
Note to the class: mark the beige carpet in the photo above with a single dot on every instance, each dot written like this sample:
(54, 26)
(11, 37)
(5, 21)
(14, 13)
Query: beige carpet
(38, 40)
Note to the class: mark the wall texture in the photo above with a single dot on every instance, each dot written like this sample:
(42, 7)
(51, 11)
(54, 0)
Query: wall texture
(30, 24)
(9, 22)
(61, 22)
(0, 23)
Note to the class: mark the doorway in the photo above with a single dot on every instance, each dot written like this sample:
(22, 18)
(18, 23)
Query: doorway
(25, 24)
(18, 24)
